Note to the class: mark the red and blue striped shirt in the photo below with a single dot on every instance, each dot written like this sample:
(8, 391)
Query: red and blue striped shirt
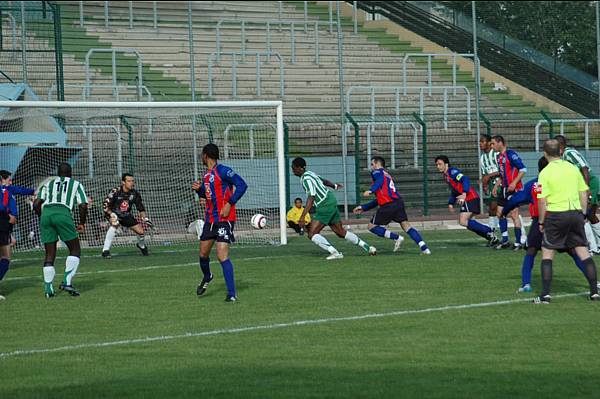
(459, 184)
(510, 164)
(217, 187)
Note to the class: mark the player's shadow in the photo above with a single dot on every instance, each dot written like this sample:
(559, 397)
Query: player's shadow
(89, 284)
(11, 287)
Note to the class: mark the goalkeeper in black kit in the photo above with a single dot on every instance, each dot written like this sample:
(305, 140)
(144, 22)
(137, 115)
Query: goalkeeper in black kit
(118, 210)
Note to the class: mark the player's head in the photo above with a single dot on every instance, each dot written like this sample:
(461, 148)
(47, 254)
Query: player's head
(128, 181)
(562, 141)
(498, 143)
(210, 152)
(542, 163)
(485, 142)
(5, 176)
(65, 170)
(298, 166)
(377, 163)
(442, 163)
(552, 149)
(298, 202)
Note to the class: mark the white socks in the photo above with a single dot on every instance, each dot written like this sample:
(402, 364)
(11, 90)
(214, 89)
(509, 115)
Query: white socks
(589, 234)
(70, 269)
(323, 243)
(493, 222)
(142, 241)
(110, 236)
(523, 232)
(49, 274)
(354, 239)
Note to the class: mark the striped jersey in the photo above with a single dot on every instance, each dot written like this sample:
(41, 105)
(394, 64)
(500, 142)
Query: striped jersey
(63, 191)
(459, 184)
(489, 163)
(573, 156)
(313, 185)
(383, 187)
(217, 188)
(509, 166)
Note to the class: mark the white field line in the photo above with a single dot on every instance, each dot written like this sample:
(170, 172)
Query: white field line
(298, 323)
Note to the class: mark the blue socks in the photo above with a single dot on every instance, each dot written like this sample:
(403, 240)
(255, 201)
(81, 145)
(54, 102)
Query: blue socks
(526, 269)
(205, 266)
(504, 229)
(517, 235)
(3, 267)
(228, 274)
(478, 228)
(577, 260)
(384, 233)
(414, 234)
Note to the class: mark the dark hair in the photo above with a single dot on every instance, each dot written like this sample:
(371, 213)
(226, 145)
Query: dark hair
(5, 174)
(211, 151)
(379, 160)
(552, 148)
(298, 199)
(542, 163)
(442, 158)
(499, 138)
(562, 140)
(64, 170)
(299, 163)
(125, 176)
(486, 137)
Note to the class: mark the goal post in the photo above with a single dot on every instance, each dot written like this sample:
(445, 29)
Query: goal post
(160, 144)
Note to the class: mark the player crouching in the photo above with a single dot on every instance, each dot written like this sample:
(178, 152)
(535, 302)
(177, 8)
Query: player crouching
(117, 208)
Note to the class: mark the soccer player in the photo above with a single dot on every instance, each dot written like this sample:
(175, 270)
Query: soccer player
(6, 183)
(391, 208)
(512, 170)
(54, 203)
(8, 210)
(490, 175)
(327, 213)
(570, 154)
(293, 217)
(529, 195)
(117, 208)
(465, 196)
(220, 189)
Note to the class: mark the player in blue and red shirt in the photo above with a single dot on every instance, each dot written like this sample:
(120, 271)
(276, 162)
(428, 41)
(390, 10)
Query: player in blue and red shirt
(8, 212)
(221, 188)
(512, 170)
(463, 194)
(529, 195)
(391, 208)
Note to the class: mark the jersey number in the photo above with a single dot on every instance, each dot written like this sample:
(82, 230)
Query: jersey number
(392, 186)
(61, 186)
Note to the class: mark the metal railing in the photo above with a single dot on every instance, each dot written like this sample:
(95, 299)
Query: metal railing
(372, 91)
(429, 57)
(561, 123)
(292, 24)
(130, 15)
(235, 55)
(113, 52)
(87, 132)
(87, 89)
(13, 28)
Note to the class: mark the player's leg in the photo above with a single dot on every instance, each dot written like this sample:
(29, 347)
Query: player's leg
(141, 238)
(295, 227)
(71, 266)
(4, 258)
(352, 238)
(49, 238)
(523, 232)
(534, 239)
(590, 237)
(465, 219)
(113, 228)
(516, 218)
(415, 235)
(492, 212)
(384, 216)
(207, 239)
(502, 221)
(228, 274)
(319, 221)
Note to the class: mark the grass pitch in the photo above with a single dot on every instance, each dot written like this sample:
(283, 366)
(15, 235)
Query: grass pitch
(396, 325)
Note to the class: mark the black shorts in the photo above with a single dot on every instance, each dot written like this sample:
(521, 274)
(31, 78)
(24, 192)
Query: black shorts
(503, 196)
(221, 231)
(5, 230)
(564, 230)
(126, 220)
(535, 236)
(473, 206)
(390, 212)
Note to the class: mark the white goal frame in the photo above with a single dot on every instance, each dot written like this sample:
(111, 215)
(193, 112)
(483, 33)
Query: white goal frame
(279, 145)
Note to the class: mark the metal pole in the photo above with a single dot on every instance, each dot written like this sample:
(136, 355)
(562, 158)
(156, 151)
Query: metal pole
(81, 14)
(193, 86)
(598, 50)
(23, 43)
(154, 15)
(106, 14)
(477, 93)
(355, 16)
(131, 15)
(342, 130)
(305, 16)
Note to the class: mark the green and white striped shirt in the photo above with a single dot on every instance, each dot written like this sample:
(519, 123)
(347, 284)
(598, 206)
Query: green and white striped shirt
(573, 156)
(63, 191)
(489, 162)
(313, 185)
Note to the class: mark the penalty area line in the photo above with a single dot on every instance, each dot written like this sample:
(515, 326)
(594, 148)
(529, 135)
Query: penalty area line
(238, 330)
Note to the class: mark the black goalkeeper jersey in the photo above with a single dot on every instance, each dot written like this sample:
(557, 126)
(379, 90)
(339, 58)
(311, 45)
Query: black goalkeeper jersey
(120, 202)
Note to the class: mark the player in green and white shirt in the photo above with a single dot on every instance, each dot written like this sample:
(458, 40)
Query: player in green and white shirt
(490, 174)
(326, 214)
(570, 154)
(56, 198)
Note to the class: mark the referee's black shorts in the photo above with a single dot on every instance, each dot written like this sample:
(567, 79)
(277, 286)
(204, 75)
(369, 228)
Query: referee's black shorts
(564, 230)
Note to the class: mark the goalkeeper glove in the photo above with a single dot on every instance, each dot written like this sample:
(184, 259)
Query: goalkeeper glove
(148, 222)
(114, 220)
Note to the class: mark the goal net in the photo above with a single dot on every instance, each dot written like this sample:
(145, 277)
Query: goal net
(161, 145)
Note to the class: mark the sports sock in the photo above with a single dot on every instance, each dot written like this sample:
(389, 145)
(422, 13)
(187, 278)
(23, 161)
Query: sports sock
(205, 266)
(384, 233)
(523, 232)
(141, 241)
(71, 266)
(589, 234)
(110, 236)
(354, 239)
(493, 222)
(504, 229)
(478, 228)
(4, 263)
(546, 276)
(416, 237)
(228, 275)
(517, 235)
(578, 262)
(591, 275)
(526, 269)
(49, 274)
(323, 243)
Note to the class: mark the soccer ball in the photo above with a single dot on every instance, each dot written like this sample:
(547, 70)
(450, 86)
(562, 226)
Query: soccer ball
(258, 221)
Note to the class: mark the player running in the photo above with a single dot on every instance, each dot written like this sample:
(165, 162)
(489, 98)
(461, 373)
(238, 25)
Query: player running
(8, 211)
(54, 203)
(465, 196)
(117, 208)
(327, 213)
(391, 208)
(217, 190)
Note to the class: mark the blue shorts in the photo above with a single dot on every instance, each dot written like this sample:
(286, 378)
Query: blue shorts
(220, 231)
(391, 212)
(472, 206)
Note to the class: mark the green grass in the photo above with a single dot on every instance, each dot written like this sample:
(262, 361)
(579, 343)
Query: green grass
(504, 350)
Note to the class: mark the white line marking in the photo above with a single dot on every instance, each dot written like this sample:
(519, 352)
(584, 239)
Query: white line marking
(24, 352)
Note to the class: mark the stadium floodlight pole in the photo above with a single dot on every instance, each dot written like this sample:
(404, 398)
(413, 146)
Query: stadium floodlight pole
(477, 95)
(342, 108)
(598, 50)
(193, 86)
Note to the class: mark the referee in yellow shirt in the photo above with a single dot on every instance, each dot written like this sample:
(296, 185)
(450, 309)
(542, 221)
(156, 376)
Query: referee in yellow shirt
(293, 217)
(562, 204)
